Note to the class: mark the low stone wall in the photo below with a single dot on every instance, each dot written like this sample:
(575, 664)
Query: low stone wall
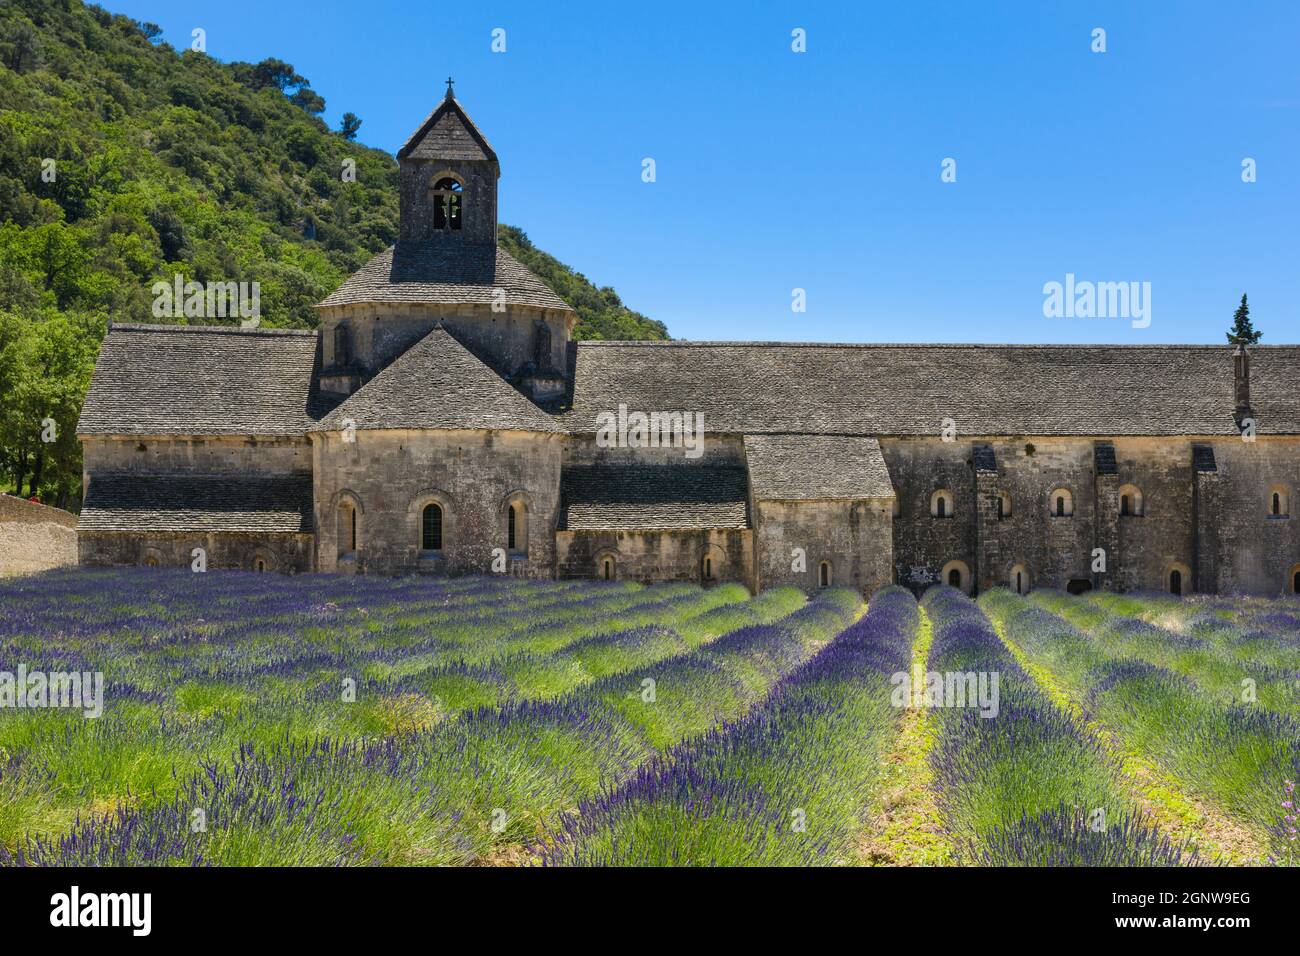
(35, 537)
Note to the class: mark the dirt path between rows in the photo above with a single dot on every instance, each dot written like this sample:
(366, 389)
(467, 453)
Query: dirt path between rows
(907, 829)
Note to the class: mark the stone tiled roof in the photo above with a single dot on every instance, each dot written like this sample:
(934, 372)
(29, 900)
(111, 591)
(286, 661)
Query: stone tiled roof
(448, 133)
(438, 383)
(752, 388)
(652, 498)
(444, 274)
(206, 503)
(202, 380)
(816, 467)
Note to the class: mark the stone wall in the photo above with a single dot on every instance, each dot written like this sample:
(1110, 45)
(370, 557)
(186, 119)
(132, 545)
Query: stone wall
(1216, 526)
(15, 510)
(391, 475)
(207, 455)
(286, 553)
(855, 537)
(478, 179)
(380, 332)
(654, 556)
(1252, 551)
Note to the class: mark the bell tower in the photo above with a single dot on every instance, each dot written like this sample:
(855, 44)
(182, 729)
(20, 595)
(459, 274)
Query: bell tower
(449, 176)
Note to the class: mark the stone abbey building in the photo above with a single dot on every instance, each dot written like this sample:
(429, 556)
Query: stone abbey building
(442, 421)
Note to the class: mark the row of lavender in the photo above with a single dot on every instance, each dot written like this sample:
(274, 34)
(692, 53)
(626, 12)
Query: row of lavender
(787, 784)
(55, 765)
(475, 788)
(1241, 756)
(1268, 676)
(1023, 782)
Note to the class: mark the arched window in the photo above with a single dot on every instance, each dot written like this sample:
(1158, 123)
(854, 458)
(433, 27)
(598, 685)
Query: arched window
(1293, 580)
(1279, 501)
(1003, 505)
(1061, 503)
(607, 568)
(707, 567)
(431, 527)
(448, 202)
(1019, 579)
(346, 528)
(941, 504)
(516, 523)
(1130, 501)
(259, 564)
(825, 574)
(1178, 578)
(956, 574)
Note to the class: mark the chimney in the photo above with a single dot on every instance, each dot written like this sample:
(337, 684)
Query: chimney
(1241, 383)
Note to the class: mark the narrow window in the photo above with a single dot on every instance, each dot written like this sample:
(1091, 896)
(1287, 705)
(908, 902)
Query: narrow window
(1277, 503)
(607, 569)
(342, 350)
(941, 508)
(1295, 583)
(1175, 581)
(1020, 582)
(1001, 515)
(346, 528)
(1125, 505)
(510, 528)
(825, 574)
(431, 528)
(708, 568)
(954, 578)
(447, 201)
(1060, 506)
(259, 565)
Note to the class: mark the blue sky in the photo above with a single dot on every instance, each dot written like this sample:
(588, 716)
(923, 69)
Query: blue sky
(820, 170)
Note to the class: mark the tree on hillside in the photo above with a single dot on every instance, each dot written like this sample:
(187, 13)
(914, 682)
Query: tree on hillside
(349, 126)
(1243, 331)
(275, 73)
(19, 50)
(308, 99)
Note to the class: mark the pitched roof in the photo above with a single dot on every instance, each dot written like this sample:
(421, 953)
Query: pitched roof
(438, 383)
(448, 133)
(652, 498)
(202, 380)
(816, 467)
(773, 387)
(444, 273)
(254, 503)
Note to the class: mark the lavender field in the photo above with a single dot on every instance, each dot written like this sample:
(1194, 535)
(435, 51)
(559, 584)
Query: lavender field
(241, 719)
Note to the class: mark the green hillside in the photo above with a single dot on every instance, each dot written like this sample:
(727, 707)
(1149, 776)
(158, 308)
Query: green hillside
(124, 162)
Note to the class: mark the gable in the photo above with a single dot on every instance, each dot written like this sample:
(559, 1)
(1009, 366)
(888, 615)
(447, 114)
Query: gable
(448, 133)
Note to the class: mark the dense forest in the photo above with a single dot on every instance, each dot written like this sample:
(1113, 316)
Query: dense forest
(124, 161)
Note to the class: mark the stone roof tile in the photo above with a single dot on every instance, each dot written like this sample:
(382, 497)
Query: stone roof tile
(438, 383)
(445, 274)
(202, 380)
(652, 498)
(898, 390)
(816, 467)
(198, 503)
